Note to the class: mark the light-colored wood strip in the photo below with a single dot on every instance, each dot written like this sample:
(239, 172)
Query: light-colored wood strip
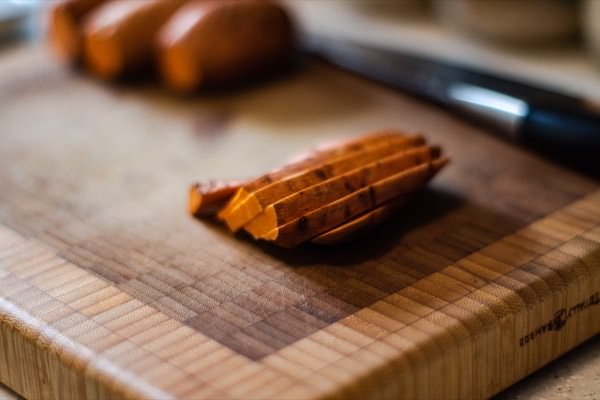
(300, 357)
(174, 336)
(261, 377)
(72, 284)
(100, 339)
(32, 265)
(201, 390)
(197, 352)
(592, 234)
(90, 289)
(379, 320)
(154, 332)
(219, 372)
(98, 296)
(333, 342)
(117, 311)
(153, 318)
(364, 327)
(555, 229)
(181, 346)
(209, 360)
(159, 372)
(316, 349)
(124, 352)
(286, 367)
(18, 249)
(389, 308)
(50, 269)
(272, 388)
(70, 272)
(105, 305)
(128, 317)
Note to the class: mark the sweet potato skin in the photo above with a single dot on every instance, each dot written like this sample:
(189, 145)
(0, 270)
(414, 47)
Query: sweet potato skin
(64, 27)
(331, 150)
(332, 195)
(323, 165)
(221, 42)
(119, 36)
(205, 198)
(361, 224)
(304, 201)
(336, 213)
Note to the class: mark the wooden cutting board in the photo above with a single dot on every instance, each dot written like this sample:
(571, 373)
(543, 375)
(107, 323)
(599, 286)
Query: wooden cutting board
(108, 289)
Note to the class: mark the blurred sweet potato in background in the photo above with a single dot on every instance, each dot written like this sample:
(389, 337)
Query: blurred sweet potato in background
(65, 33)
(119, 36)
(196, 43)
(213, 43)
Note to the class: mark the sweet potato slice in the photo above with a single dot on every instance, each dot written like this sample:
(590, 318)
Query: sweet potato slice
(338, 212)
(309, 160)
(361, 224)
(207, 197)
(304, 201)
(250, 204)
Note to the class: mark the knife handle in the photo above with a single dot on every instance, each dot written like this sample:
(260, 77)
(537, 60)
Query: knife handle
(570, 134)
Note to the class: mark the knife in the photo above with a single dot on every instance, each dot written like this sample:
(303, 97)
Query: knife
(566, 128)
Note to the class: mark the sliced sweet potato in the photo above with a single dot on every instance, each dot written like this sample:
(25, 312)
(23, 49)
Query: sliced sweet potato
(250, 203)
(361, 224)
(64, 28)
(333, 194)
(309, 160)
(207, 197)
(119, 36)
(306, 200)
(336, 213)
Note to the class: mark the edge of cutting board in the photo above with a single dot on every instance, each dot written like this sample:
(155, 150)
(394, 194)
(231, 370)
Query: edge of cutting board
(497, 322)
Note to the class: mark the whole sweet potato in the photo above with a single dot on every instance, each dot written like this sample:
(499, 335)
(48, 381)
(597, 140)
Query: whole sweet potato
(220, 42)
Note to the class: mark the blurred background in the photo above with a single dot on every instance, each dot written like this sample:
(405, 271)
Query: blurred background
(553, 43)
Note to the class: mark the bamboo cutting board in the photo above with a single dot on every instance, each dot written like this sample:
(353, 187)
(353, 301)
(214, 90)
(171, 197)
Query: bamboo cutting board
(108, 289)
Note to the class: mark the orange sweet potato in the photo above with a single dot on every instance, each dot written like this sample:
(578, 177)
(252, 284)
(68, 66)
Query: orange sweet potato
(306, 200)
(220, 42)
(64, 28)
(119, 36)
(313, 179)
(338, 212)
(361, 224)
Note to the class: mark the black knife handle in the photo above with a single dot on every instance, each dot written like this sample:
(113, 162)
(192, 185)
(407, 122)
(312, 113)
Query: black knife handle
(569, 134)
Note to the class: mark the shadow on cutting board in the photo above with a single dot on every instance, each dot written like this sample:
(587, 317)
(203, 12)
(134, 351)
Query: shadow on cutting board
(302, 96)
(430, 208)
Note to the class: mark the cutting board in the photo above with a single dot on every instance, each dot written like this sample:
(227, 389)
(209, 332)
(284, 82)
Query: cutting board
(109, 289)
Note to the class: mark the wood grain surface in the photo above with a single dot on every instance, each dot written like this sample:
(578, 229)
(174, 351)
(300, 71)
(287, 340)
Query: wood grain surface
(108, 287)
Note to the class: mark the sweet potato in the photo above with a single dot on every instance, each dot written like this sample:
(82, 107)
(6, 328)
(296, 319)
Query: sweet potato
(361, 224)
(336, 213)
(220, 42)
(306, 200)
(206, 197)
(120, 36)
(335, 193)
(64, 28)
(327, 162)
